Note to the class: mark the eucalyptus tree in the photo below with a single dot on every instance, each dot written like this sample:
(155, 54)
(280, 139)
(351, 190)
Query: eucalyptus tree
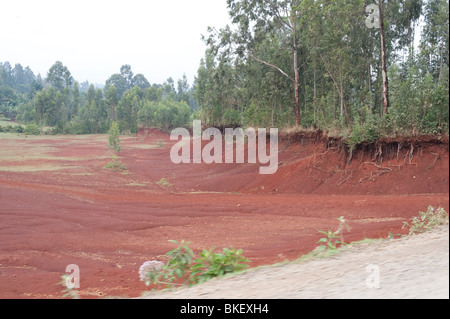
(126, 80)
(76, 99)
(111, 100)
(435, 37)
(255, 19)
(59, 76)
(396, 29)
(49, 107)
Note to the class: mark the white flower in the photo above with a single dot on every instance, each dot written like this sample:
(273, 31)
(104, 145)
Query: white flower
(148, 267)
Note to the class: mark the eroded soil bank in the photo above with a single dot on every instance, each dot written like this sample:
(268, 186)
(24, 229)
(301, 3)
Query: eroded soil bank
(59, 206)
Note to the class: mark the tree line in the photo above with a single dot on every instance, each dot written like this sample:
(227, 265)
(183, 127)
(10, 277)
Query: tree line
(281, 63)
(317, 63)
(69, 107)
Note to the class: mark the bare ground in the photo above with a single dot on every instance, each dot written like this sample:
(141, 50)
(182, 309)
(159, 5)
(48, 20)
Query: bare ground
(59, 206)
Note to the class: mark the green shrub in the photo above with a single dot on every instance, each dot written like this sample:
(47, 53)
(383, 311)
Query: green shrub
(427, 220)
(366, 129)
(17, 129)
(211, 265)
(32, 129)
(58, 129)
(334, 238)
(182, 268)
(113, 138)
(176, 268)
(165, 114)
(116, 165)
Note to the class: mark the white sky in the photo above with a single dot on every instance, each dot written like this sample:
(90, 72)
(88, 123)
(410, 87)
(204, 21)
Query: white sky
(159, 39)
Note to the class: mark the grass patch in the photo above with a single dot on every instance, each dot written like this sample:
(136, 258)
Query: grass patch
(116, 166)
(164, 182)
(34, 168)
(158, 145)
(143, 146)
(20, 153)
(136, 184)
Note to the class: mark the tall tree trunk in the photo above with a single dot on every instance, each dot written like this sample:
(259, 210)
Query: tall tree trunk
(370, 88)
(314, 90)
(442, 60)
(113, 112)
(296, 83)
(341, 91)
(383, 61)
(314, 79)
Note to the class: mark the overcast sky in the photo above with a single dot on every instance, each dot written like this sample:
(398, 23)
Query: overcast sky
(159, 39)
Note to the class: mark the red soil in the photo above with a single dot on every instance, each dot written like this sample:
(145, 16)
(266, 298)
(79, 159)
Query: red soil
(109, 223)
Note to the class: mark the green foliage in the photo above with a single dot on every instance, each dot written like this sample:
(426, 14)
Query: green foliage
(26, 113)
(248, 76)
(334, 238)
(367, 132)
(59, 76)
(84, 109)
(116, 165)
(182, 269)
(165, 114)
(32, 129)
(256, 116)
(12, 129)
(50, 107)
(419, 105)
(339, 57)
(210, 265)
(177, 268)
(125, 80)
(232, 118)
(17, 129)
(113, 137)
(427, 220)
(330, 240)
(163, 182)
(68, 292)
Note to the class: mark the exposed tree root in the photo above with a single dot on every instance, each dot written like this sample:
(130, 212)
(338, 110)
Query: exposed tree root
(374, 175)
(436, 157)
(342, 181)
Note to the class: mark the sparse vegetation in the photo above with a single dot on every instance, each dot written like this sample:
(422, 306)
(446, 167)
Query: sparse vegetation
(68, 292)
(116, 165)
(427, 220)
(334, 238)
(160, 143)
(113, 137)
(164, 182)
(182, 269)
(211, 264)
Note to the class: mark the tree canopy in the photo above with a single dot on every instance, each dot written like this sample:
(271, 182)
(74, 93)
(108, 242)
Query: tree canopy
(304, 63)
